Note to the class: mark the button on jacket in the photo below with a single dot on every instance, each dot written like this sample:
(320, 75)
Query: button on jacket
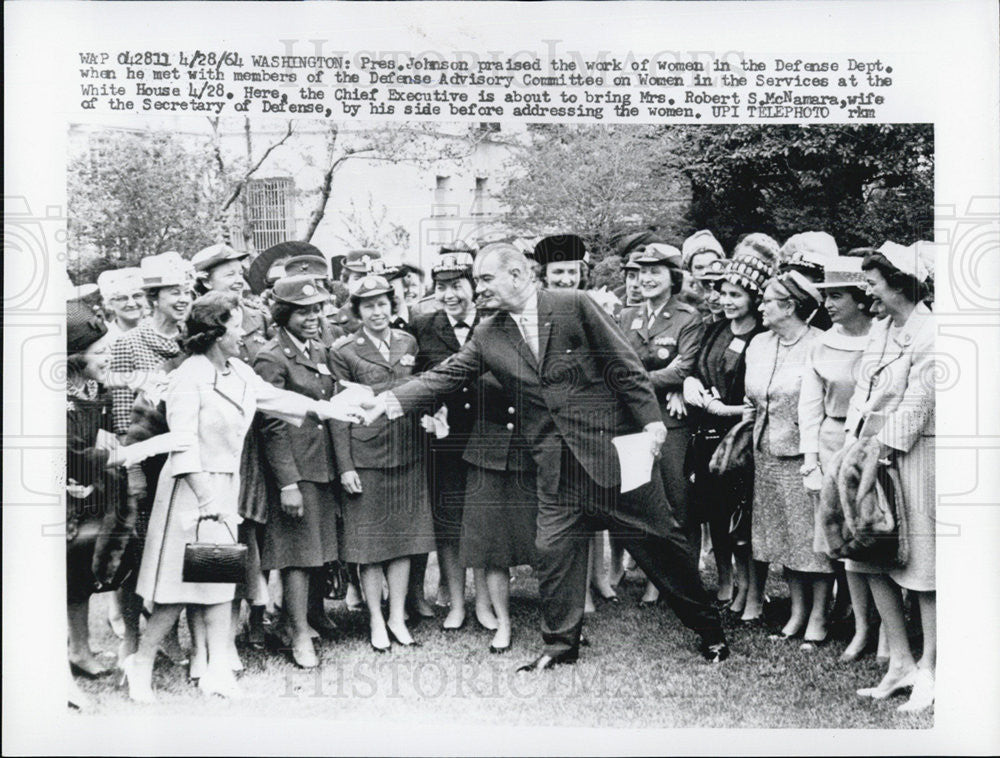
(355, 358)
(437, 342)
(668, 348)
(298, 453)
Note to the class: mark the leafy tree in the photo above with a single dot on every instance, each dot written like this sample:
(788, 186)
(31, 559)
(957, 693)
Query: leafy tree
(596, 181)
(862, 184)
(134, 194)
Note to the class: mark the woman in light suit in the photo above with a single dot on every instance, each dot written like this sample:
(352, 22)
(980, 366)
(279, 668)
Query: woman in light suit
(387, 516)
(894, 401)
(214, 395)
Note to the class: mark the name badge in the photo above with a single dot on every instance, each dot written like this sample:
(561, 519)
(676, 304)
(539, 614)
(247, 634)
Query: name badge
(323, 369)
(637, 323)
(737, 345)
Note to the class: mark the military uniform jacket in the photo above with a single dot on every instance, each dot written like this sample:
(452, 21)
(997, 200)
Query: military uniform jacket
(381, 444)
(437, 341)
(493, 443)
(257, 331)
(668, 348)
(587, 387)
(298, 453)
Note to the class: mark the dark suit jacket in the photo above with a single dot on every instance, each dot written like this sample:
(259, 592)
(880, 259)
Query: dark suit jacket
(588, 388)
(437, 342)
(495, 441)
(668, 349)
(381, 445)
(297, 453)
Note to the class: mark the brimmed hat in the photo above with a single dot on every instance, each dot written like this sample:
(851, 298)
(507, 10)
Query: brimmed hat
(560, 248)
(265, 268)
(311, 265)
(658, 253)
(452, 266)
(749, 271)
(630, 264)
(83, 327)
(460, 246)
(165, 270)
(301, 289)
(808, 252)
(842, 271)
(700, 242)
(360, 261)
(372, 285)
(119, 281)
(800, 288)
(208, 258)
(713, 272)
(632, 241)
(906, 259)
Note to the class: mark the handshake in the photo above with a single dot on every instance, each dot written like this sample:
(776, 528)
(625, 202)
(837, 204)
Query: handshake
(356, 403)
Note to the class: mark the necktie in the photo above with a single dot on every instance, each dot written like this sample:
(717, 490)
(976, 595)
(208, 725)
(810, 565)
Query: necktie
(530, 334)
(383, 347)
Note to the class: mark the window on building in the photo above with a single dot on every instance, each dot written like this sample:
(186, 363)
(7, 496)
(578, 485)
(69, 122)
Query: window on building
(443, 203)
(270, 211)
(479, 197)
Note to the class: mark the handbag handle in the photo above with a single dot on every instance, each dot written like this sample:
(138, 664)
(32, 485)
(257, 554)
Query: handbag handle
(212, 518)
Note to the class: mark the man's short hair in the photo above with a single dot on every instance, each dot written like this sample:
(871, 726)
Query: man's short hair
(509, 256)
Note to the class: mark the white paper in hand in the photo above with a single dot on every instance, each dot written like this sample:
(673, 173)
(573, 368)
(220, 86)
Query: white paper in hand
(635, 455)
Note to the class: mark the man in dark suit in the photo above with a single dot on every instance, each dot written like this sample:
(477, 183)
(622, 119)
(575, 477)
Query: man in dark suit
(576, 384)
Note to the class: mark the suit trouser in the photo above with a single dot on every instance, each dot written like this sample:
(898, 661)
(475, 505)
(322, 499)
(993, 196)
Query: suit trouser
(676, 485)
(565, 522)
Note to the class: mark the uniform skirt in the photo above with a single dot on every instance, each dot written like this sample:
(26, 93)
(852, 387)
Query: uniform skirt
(446, 476)
(390, 518)
(306, 542)
(172, 524)
(499, 522)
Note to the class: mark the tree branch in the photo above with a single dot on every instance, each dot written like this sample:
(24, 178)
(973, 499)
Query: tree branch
(238, 189)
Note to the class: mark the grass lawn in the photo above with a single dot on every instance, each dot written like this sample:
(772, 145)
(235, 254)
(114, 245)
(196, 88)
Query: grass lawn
(641, 670)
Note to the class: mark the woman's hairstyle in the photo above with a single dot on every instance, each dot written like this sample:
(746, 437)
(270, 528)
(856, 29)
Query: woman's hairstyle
(356, 303)
(754, 294)
(76, 363)
(281, 312)
(584, 276)
(910, 288)
(805, 304)
(207, 322)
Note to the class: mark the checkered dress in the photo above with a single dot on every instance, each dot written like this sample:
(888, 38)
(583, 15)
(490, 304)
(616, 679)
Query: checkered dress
(137, 350)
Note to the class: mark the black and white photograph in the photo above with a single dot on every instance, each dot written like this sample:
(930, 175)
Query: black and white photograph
(551, 421)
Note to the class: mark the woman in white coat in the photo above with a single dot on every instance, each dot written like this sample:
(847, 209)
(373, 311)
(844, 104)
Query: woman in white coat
(894, 401)
(214, 395)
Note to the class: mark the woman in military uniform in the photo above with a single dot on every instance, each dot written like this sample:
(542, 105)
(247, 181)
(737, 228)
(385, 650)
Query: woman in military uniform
(386, 514)
(666, 334)
(301, 531)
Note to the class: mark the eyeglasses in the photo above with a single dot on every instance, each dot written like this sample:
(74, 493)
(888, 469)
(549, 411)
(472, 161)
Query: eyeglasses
(136, 297)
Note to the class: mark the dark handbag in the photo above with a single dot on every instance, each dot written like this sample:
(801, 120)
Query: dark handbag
(734, 454)
(335, 575)
(213, 563)
(704, 440)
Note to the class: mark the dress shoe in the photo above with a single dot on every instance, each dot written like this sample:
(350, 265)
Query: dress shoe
(139, 680)
(499, 650)
(923, 693)
(544, 662)
(715, 652)
(883, 691)
(197, 668)
(89, 669)
(393, 637)
(487, 627)
(377, 649)
(304, 655)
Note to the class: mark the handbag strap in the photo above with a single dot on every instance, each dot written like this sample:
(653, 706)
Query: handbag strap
(225, 523)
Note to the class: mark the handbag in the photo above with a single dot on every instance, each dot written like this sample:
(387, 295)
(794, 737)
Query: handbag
(335, 576)
(214, 563)
(734, 455)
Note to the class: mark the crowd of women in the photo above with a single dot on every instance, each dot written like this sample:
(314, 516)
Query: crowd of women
(795, 383)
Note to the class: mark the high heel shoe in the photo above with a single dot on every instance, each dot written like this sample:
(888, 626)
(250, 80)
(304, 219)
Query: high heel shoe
(139, 681)
(393, 637)
(377, 649)
(881, 693)
(196, 670)
(923, 693)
